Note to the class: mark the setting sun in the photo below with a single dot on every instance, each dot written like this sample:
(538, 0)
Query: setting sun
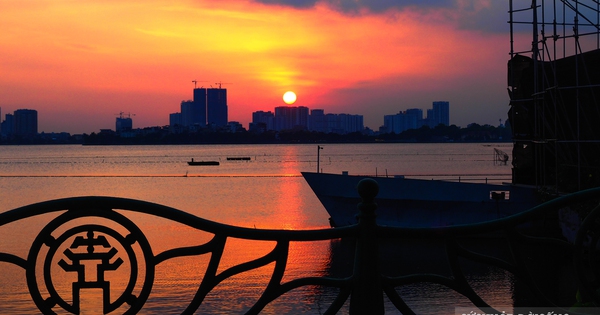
(289, 97)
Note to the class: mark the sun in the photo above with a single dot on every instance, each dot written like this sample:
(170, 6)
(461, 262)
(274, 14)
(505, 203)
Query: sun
(289, 97)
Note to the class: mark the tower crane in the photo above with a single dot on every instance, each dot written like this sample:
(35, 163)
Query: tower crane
(120, 114)
(220, 83)
(196, 83)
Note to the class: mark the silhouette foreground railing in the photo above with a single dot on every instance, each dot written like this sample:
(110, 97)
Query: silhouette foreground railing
(74, 237)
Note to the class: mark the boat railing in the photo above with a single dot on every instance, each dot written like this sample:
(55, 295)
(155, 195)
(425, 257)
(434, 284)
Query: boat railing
(464, 178)
(78, 230)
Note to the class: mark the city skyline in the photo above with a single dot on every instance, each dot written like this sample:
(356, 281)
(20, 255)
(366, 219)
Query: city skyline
(281, 118)
(194, 116)
(81, 63)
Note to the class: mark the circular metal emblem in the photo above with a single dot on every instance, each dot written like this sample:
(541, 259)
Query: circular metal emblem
(78, 265)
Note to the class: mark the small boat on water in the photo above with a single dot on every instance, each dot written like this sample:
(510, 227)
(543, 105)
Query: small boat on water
(240, 158)
(194, 163)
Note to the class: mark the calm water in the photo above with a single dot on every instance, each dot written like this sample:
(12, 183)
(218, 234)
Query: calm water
(265, 192)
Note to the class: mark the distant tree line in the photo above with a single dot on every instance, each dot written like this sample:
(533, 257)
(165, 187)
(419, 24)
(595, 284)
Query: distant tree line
(441, 133)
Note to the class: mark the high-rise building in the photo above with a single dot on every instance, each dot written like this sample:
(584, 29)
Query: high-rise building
(26, 122)
(175, 119)
(262, 121)
(413, 118)
(350, 123)
(317, 120)
(410, 119)
(8, 125)
(291, 117)
(334, 123)
(216, 107)
(186, 112)
(199, 107)
(440, 113)
(123, 124)
(191, 114)
(209, 106)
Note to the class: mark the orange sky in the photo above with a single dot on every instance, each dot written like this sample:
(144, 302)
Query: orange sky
(80, 63)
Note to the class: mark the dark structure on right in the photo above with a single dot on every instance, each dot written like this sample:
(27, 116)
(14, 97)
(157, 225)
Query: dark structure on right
(554, 87)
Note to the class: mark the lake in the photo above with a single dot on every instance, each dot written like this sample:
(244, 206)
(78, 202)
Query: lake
(266, 191)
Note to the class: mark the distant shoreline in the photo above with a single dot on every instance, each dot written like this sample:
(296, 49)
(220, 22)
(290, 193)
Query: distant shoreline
(440, 134)
(248, 143)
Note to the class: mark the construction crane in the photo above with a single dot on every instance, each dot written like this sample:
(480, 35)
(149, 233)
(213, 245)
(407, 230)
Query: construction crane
(196, 83)
(220, 83)
(120, 114)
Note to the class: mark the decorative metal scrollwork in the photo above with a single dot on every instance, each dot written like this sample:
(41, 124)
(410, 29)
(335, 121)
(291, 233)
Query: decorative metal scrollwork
(85, 254)
(88, 246)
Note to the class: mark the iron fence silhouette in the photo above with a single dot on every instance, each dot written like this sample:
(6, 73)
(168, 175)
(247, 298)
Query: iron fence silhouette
(74, 237)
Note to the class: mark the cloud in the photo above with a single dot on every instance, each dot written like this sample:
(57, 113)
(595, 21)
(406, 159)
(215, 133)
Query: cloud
(355, 6)
(299, 4)
(481, 15)
(485, 16)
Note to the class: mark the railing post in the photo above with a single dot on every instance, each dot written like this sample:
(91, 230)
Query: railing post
(367, 294)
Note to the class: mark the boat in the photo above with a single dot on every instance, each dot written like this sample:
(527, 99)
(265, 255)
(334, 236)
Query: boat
(240, 158)
(554, 113)
(194, 163)
(411, 202)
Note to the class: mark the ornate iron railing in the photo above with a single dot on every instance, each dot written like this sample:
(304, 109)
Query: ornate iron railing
(74, 236)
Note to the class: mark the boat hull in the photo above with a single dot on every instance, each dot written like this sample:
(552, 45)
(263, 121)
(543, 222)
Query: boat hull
(420, 203)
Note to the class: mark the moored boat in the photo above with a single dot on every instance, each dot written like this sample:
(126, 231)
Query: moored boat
(195, 163)
(409, 202)
(238, 158)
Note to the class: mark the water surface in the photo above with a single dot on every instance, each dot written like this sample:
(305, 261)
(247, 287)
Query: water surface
(265, 192)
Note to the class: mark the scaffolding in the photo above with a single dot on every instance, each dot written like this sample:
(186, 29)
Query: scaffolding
(554, 89)
(500, 157)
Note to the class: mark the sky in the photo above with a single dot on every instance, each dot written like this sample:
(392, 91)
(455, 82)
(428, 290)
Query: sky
(82, 63)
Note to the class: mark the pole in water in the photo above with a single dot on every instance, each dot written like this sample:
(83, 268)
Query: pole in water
(319, 148)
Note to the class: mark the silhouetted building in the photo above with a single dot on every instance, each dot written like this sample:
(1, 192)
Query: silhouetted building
(291, 117)
(198, 108)
(235, 126)
(262, 121)
(317, 120)
(123, 124)
(26, 122)
(297, 118)
(186, 112)
(349, 123)
(335, 123)
(413, 118)
(410, 119)
(216, 107)
(8, 125)
(209, 106)
(175, 119)
(192, 114)
(439, 114)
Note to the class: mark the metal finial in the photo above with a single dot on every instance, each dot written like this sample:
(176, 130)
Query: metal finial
(367, 189)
